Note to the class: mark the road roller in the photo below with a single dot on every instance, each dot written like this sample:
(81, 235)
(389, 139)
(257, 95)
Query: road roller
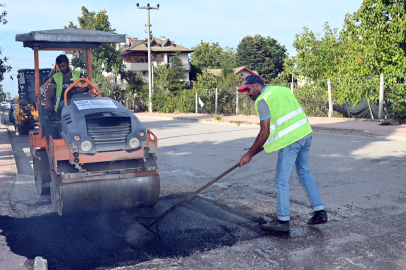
(96, 155)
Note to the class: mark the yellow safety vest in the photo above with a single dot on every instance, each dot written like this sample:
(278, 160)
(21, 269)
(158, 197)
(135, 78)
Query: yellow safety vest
(288, 122)
(58, 77)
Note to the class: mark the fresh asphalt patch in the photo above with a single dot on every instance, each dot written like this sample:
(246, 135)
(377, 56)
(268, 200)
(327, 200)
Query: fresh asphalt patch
(108, 240)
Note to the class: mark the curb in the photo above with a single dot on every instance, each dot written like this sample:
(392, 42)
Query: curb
(11, 156)
(345, 131)
(342, 131)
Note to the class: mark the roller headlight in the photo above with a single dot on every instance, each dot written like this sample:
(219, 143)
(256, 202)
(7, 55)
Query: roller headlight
(86, 146)
(76, 137)
(141, 133)
(134, 143)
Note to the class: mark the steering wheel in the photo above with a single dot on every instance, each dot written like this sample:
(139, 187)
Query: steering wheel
(77, 82)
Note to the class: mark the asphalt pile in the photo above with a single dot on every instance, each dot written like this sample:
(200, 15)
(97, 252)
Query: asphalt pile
(107, 240)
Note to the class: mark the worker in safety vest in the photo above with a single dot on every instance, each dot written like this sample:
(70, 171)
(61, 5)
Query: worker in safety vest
(284, 127)
(62, 81)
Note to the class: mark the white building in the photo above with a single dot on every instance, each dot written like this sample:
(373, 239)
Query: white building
(135, 54)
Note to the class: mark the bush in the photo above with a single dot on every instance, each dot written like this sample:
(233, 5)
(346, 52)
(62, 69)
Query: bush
(313, 99)
(395, 97)
(225, 99)
(165, 101)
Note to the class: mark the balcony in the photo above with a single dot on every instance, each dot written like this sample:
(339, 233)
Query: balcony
(186, 66)
(135, 66)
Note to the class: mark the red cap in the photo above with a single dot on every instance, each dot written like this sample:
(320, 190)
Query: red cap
(251, 79)
(242, 88)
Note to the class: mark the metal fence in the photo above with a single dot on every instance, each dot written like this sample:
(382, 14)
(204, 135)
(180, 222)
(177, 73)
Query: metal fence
(228, 101)
(316, 97)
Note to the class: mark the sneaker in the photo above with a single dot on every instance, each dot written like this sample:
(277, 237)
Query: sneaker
(319, 217)
(276, 226)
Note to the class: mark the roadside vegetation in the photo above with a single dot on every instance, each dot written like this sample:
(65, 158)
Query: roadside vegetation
(371, 42)
(4, 68)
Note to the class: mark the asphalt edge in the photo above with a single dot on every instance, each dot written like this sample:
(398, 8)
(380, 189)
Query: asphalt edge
(341, 131)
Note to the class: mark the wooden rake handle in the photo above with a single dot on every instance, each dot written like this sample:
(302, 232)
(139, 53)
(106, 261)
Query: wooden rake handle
(166, 212)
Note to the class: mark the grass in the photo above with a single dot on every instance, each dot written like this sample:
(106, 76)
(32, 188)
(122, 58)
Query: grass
(218, 117)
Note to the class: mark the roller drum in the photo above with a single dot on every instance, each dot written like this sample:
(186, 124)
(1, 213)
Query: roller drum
(106, 195)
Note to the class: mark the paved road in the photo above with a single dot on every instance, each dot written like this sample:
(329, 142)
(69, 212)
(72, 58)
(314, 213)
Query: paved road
(346, 126)
(361, 181)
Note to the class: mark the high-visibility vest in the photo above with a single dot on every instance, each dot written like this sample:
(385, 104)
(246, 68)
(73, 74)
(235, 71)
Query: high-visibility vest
(288, 122)
(58, 77)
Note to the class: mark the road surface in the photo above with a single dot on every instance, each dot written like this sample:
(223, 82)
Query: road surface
(361, 181)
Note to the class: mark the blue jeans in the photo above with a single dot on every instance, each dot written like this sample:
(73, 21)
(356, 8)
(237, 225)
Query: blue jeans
(295, 153)
(62, 104)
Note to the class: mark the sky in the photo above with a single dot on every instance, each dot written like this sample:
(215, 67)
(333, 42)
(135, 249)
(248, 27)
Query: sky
(183, 21)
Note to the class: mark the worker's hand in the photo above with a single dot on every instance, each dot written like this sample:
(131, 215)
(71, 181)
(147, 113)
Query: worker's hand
(245, 159)
(48, 107)
(92, 92)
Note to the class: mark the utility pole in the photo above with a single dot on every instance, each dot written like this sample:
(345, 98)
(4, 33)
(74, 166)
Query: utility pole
(149, 56)
(291, 85)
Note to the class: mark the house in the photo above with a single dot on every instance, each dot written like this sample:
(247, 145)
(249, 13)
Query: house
(135, 54)
(240, 71)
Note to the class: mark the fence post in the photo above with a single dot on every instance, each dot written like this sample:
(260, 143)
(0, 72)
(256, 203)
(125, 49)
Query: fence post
(236, 100)
(381, 86)
(216, 101)
(196, 102)
(330, 99)
(291, 87)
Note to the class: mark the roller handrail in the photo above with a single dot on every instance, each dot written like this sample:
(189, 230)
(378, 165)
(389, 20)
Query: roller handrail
(86, 83)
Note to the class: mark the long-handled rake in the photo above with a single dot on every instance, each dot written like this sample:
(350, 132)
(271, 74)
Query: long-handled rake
(171, 209)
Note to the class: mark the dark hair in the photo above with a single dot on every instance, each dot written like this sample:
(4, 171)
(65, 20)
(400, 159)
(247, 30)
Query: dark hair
(62, 58)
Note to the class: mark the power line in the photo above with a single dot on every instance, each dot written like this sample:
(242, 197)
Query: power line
(143, 18)
(127, 17)
(135, 16)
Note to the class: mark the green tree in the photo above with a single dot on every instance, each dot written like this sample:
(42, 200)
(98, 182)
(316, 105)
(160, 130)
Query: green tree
(4, 68)
(169, 95)
(170, 77)
(3, 15)
(253, 53)
(161, 77)
(194, 71)
(317, 56)
(278, 53)
(176, 74)
(375, 38)
(205, 81)
(207, 55)
(227, 78)
(106, 85)
(228, 62)
(105, 57)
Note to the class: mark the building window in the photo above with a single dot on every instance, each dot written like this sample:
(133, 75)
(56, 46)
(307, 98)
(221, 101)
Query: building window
(145, 73)
(170, 57)
(141, 60)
